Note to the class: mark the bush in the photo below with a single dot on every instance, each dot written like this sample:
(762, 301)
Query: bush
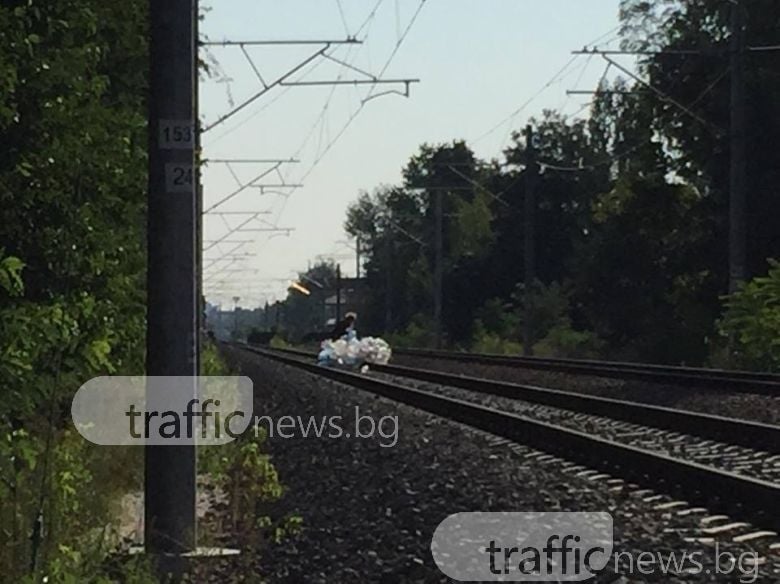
(562, 341)
(485, 341)
(546, 306)
(498, 318)
(243, 471)
(499, 326)
(278, 342)
(418, 334)
(752, 323)
(211, 362)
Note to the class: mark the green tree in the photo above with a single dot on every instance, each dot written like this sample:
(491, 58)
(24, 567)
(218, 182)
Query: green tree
(700, 142)
(72, 184)
(752, 322)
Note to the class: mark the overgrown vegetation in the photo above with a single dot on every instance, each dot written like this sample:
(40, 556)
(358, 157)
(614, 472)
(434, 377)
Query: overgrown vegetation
(242, 475)
(73, 77)
(72, 175)
(752, 322)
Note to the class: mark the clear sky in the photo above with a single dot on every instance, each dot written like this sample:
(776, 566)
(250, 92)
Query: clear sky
(478, 62)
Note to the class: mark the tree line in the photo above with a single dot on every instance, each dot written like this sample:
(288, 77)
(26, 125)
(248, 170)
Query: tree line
(631, 222)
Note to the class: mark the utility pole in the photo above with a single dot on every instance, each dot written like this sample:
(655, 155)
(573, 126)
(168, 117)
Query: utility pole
(172, 317)
(388, 281)
(438, 266)
(737, 204)
(357, 258)
(201, 298)
(235, 317)
(529, 239)
(338, 293)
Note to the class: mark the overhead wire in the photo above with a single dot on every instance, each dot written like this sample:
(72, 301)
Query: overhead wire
(616, 157)
(253, 114)
(304, 74)
(367, 23)
(584, 70)
(354, 114)
(529, 101)
(359, 109)
(364, 29)
(311, 68)
(343, 17)
(368, 95)
(553, 80)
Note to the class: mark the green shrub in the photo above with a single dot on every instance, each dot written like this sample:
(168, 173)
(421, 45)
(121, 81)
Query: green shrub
(278, 342)
(211, 363)
(417, 334)
(485, 341)
(499, 325)
(242, 470)
(562, 341)
(499, 318)
(752, 323)
(545, 306)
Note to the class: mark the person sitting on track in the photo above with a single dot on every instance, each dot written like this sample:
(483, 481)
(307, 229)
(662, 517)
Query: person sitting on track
(344, 327)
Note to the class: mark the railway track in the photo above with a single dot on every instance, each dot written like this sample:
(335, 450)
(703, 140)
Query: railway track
(753, 435)
(739, 475)
(713, 379)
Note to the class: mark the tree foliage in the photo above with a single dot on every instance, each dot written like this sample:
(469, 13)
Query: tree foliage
(752, 321)
(73, 86)
(632, 218)
(72, 193)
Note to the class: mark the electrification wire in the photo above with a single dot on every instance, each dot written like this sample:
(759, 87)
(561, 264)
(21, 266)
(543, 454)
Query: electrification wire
(529, 101)
(352, 117)
(357, 111)
(304, 74)
(583, 70)
(607, 34)
(345, 64)
(617, 157)
(364, 29)
(555, 78)
(250, 116)
(367, 23)
(398, 44)
(343, 17)
(590, 103)
(368, 95)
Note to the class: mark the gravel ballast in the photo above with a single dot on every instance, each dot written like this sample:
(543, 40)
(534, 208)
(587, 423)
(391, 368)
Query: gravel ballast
(370, 509)
(728, 457)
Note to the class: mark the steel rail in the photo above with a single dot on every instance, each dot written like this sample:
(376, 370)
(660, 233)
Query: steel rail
(755, 435)
(733, 431)
(714, 379)
(719, 490)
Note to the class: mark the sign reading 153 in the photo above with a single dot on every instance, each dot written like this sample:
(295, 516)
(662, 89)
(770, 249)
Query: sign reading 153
(176, 134)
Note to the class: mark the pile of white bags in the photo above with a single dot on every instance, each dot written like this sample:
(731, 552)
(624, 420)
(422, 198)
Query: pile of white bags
(375, 350)
(355, 352)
